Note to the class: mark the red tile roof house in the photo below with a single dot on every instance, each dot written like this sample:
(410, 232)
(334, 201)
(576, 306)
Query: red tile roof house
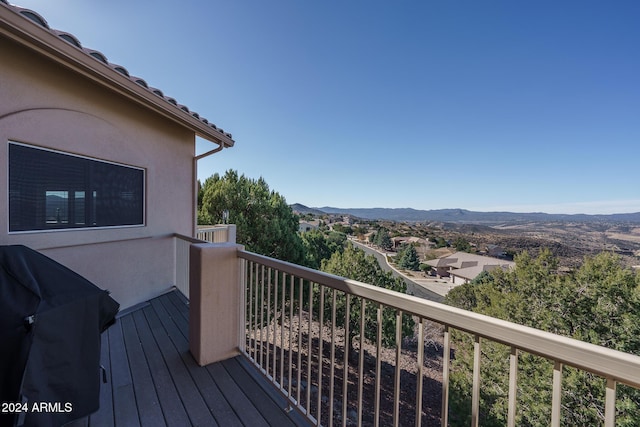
(65, 107)
(94, 163)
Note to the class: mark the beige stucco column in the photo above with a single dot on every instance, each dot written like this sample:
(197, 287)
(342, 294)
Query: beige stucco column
(214, 301)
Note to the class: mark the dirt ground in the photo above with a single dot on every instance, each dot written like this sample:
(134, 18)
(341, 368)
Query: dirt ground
(570, 242)
(306, 371)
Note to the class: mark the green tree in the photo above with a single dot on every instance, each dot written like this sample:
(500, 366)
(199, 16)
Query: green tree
(383, 240)
(265, 222)
(346, 229)
(409, 259)
(319, 246)
(354, 264)
(599, 304)
(439, 242)
(359, 231)
(425, 268)
(462, 245)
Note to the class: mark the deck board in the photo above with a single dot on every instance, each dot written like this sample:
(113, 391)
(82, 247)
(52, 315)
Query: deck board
(247, 413)
(268, 408)
(148, 404)
(174, 412)
(104, 416)
(124, 401)
(154, 381)
(211, 393)
(188, 393)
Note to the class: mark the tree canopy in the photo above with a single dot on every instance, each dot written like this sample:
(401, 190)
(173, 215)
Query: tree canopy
(462, 245)
(319, 246)
(354, 264)
(383, 240)
(599, 303)
(408, 258)
(265, 222)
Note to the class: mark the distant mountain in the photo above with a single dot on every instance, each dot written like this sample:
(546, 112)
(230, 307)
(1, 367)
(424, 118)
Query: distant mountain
(297, 207)
(465, 216)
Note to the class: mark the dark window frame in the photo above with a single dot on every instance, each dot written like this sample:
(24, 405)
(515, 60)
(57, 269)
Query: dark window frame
(55, 190)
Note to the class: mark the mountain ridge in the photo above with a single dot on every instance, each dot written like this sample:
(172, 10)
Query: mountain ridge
(464, 215)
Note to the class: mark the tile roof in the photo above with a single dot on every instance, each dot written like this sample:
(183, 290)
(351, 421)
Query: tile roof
(471, 273)
(461, 260)
(99, 56)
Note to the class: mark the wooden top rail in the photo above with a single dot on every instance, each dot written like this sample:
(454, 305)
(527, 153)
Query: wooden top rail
(608, 363)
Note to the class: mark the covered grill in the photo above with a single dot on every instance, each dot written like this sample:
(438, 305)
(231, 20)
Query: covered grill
(51, 319)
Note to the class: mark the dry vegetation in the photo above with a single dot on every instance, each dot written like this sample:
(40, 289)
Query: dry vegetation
(407, 363)
(569, 241)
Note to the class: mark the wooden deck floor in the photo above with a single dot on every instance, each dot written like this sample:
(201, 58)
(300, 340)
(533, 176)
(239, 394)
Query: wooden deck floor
(154, 381)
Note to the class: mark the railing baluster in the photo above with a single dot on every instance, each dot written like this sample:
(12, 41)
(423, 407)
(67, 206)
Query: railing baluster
(291, 283)
(475, 398)
(376, 403)
(396, 385)
(282, 319)
(513, 387)
(345, 370)
(420, 373)
(320, 354)
(556, 399)
(333, 356)
(254, 313)
(276, 284)
(363, 306)
(610, 404)
(446, 354)
(261, 315)
(299, 367)
(249, 308)
(242, 330)
(268, 331)
(310, 348)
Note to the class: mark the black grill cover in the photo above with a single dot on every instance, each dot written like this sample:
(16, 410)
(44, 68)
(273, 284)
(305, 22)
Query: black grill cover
(50, 324)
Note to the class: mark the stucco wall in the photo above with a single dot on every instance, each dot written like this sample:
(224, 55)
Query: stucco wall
(45, 105)
(457, 280)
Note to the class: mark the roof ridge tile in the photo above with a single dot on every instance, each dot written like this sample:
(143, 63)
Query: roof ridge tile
(71, 39)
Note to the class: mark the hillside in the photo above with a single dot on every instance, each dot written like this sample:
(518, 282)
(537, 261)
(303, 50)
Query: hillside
(465, 216)
(569, 237)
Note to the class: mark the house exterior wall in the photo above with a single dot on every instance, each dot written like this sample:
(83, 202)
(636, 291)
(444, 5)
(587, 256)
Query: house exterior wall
(457, 280)
(443, 271)
(45, 105)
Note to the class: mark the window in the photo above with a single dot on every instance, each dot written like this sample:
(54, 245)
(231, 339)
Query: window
(53, 190)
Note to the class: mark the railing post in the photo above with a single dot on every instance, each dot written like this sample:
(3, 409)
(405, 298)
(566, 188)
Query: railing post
(215, 302)
(231, 233)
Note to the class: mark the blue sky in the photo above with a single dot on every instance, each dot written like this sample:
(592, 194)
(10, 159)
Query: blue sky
(483, 105)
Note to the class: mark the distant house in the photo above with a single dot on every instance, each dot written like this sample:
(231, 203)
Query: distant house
(94, 161)
(495, 251)
(463, 267)
(305, 226)
(416, 241)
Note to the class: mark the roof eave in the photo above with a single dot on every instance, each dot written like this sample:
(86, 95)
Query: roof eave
(15, 27)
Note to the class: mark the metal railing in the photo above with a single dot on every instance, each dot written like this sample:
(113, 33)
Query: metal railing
(216, 234)
(182, 244)
(306, 334)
